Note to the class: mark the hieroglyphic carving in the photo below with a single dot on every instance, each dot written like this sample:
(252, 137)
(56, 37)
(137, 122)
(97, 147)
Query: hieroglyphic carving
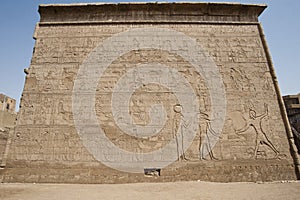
(68, 78)
(49, 77)
(63, 112)
(267, 81)
(240, 80)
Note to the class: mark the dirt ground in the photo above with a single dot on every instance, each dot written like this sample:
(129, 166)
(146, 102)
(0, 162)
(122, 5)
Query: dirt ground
(147, 191)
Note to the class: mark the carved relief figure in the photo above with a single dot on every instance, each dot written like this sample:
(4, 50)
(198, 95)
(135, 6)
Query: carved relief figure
(267, 81)
(261, 137)
(49, 77)
(240, 80)
(139, 111)
(63, 111)
(209, 135)
(68, 77)
(178, 125)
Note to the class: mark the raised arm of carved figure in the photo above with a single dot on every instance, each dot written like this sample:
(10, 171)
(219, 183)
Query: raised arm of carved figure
(265, 112)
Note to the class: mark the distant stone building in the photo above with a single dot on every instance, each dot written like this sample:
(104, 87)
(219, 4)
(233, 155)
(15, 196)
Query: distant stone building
(7, 122)
(7, 104)
(7, 111)
(292, 105)
(116, 93)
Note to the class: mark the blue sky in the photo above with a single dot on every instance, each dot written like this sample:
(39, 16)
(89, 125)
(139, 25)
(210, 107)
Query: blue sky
(18, 18)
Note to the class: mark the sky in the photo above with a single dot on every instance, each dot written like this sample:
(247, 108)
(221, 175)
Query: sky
(18, 18)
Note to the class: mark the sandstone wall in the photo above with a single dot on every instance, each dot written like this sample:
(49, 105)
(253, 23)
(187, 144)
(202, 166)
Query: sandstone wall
(7, 119)
(56, 135)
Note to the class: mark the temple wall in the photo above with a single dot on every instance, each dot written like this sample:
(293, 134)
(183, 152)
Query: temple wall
(50, 142)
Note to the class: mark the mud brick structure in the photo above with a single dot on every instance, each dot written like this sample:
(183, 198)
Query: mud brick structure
(145, 92)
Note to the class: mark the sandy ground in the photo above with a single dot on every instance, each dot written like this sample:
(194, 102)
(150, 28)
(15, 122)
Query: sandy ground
(147, 191)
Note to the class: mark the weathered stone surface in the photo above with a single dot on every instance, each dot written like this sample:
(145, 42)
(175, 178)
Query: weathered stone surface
(93, 69)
